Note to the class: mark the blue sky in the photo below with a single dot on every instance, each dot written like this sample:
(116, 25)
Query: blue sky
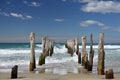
(59, 19)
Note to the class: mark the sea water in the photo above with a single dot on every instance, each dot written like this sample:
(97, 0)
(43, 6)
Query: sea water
(19, 54)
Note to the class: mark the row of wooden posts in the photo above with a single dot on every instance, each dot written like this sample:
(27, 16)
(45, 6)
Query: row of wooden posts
(72, 46)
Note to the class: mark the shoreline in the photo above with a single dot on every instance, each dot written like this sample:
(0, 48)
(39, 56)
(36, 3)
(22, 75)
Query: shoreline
(51, 76)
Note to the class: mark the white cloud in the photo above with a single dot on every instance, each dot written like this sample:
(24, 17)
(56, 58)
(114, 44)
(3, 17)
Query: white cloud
(59, 20)
(21, 16)
(16, 15)
(93, 22)
(34, 4)
(29, 17)
(101, 6)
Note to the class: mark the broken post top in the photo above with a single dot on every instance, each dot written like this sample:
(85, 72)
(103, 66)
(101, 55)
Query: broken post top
(84, 43)
(32, 37)
(83, 39)
(91, 38)
(70, 43)
(101, 42)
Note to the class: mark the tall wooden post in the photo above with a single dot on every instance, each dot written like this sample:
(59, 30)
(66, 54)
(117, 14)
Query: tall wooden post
(70, 45)
(101, 55)
(42, 55)
(91, 55)
(52, 47)
(77, 51)
(47, 49)
(32, 64)
(84, 53)
(77, 46)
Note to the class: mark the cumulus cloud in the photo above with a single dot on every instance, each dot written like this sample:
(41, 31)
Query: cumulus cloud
(21, 16)
(29, 17)
(16, 15)
(59, 20)
(34, 4)
(93, 22)
(101, 6)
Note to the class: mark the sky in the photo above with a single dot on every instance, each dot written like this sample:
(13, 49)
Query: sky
(59, 19)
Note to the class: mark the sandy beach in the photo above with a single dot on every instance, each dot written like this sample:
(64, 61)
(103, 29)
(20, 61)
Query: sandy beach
(51, 76)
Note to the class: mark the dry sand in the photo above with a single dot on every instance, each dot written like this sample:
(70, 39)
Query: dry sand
(51, 76)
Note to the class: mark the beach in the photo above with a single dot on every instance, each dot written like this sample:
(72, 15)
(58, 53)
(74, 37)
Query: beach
(59, 39)
(50, 76)
(60, 66)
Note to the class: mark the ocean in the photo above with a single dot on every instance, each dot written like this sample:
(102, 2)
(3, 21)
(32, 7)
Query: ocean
(19, 54)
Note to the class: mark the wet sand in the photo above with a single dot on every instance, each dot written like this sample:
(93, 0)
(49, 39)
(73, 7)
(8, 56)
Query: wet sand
(51, 76)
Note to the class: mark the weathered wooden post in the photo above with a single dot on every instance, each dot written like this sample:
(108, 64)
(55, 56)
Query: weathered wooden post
(70, 45)
(109, 74)
(91, 55)
(83, 49)
(101, 55)
(42, 55)
(43, 44)
(47, 49)
(77, 51)
(79, 57)
(77, 46)
(84, 53)
(14, 72)
(52, 48)
(41, 59)
(32, 64)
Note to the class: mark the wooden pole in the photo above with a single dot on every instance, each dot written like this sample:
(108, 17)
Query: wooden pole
(77, 50)
(109, 74)
(47, 49)
(101, 55)
(83, 49)
(14, 72)
(32, 64)
(77, 46)
(84, 53)
(91, 55)
(70, 45)
(43, 54)
(52, 48)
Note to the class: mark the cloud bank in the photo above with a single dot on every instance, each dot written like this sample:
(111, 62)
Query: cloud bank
(34, 4)
(16, 15)
(59, 20)
(93, 22)
(101, 6)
